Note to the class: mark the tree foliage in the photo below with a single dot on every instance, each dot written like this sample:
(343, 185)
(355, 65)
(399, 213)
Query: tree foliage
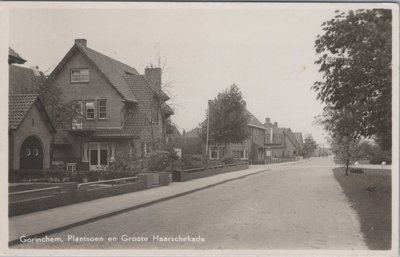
(228, 118)
(309, 146)
(345, 140)
(373, 152)
(346, 150)
(355, 61)
(58, 111)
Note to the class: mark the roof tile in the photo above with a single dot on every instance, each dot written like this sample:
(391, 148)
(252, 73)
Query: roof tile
(18, 107)
(113, 70)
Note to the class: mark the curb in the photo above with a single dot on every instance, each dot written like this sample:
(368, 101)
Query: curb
(114, 213)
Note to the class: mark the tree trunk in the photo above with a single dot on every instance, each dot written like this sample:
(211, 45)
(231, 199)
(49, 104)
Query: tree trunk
(347, 167)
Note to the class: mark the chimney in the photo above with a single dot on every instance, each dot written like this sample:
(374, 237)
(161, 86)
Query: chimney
(267, 121)
(154, 76)
(276, 124)
(271, 135)
(35, 70)
(81, 41)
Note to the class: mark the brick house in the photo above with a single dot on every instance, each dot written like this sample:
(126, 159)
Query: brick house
(119, 113)
(252, 149)
(299, 138)
(30, 131)
(281, 142)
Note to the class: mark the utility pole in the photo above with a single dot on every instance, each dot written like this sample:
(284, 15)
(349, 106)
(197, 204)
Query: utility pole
(208, 128)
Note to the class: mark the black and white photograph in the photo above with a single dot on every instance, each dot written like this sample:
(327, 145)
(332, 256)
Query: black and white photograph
(210, 128)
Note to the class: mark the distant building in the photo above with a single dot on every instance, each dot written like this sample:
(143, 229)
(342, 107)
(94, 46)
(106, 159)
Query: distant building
(281, 142)
(299, 138)
(252, 149)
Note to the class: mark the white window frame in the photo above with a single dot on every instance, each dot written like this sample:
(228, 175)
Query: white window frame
(215, 148)
(94, 109)
(98, 147)
(244, 152)
(154, 115)
(99, 111)
(79, 78)
(147, 148)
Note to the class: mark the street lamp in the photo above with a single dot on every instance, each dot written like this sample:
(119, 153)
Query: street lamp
(208, 128)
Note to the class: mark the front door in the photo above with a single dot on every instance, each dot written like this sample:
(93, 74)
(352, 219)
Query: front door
(31, 155)
(98, 156)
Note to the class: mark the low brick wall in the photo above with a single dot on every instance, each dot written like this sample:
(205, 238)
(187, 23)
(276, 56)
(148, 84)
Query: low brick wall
(185, 175)
(71, 194)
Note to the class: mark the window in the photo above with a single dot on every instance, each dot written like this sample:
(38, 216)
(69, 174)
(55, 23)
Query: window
(90, 110)
(79, 75)
(240, 154)
(147, 148)
(98, 156)
(102, 109)
(77, 112)
(154, 115)
(213, 152)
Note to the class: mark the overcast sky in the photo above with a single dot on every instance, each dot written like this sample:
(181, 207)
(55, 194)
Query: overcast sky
(267, 50)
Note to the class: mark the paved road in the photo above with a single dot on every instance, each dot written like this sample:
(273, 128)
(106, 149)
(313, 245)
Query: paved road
(297, 206)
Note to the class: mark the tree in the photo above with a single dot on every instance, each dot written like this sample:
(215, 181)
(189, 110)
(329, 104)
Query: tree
(344, 140)
(228, 118)
(58, 111)
(346, 150)
(309, 146)
(371, 151)
(355, 60)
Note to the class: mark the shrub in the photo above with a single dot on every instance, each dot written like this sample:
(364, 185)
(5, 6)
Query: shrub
(162, 159)
(381, 156)
(191, 161)
(123, 164)
(228, 160)
(357, 170)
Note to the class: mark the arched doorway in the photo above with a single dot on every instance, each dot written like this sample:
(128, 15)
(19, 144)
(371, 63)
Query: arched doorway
(31, 155)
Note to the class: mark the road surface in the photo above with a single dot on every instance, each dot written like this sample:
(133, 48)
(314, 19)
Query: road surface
(296, 206)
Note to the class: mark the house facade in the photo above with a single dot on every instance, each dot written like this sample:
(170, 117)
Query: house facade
(252, 149)
(281, 142)
(30, 131)
(117, 112)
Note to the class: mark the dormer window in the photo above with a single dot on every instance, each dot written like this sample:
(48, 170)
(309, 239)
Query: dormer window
(79, 75)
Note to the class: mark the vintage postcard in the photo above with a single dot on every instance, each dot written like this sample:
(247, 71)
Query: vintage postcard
(197, 129)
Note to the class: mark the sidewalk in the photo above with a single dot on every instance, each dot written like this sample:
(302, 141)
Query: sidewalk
(50, 221)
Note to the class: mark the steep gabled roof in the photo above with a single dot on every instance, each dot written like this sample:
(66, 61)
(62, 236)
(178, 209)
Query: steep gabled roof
(193, 133)
(299, 137)
(14, 57)
(22, 80)
(254, 122)
(112, 70)
(18, 107)
(136, 119)
(173, 132)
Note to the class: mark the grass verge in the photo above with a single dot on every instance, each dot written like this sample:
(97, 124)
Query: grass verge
(370, 195)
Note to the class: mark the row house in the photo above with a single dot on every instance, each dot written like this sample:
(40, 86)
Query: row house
(252, 149)
(282, 142)
(265, 142)
(117, 112)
